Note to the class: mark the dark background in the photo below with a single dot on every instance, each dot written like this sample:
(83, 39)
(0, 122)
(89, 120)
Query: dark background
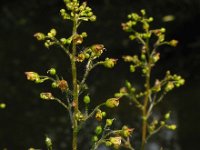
(27, 119)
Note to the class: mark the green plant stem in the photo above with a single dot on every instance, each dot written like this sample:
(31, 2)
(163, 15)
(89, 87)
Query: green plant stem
(75, 88)
(154, 132)
(93, 112)
(145, 105)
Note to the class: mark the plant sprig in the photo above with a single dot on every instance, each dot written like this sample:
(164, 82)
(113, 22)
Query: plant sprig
(150, 40)
(76, 12)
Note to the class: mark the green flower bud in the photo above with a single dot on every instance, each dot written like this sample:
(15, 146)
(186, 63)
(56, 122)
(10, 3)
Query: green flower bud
(143, 57)
(167, 115)
(39, 36)
(98, 130)
(103, 114)
(118, 95)
(2, 105)
(52, 71)
(86, 99)
(52, 33)
(132, 68)
(181, 81)
(135, 16)
(146, 27)
(144, 70)
(112, 102)
(109, 122)
(62, 11)
(48, 142)
(93, 18)
(128, 58)
(38, 80)
(162, 123)
(171, 127)
(110, 62)
(132, 37)
(90, 14)
(54, 85)
(84, 34)
(63, 41)
(143, 12)
(95, 138)
(163, 30)
(173, 43)
(79, 116)
(156, 57)
(87, 55)
(46, 44)
(128, 84)
(150, 19)
(169, 86)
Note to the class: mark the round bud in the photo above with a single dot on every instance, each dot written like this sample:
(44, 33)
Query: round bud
(95, 138)
(52, 33)
(167, 115)
(162, 123)
(132, 68)
(173, 43)
(98, 130)
(63, 41)
(143, 12)
(87, 55)
(2, 105)
(172, 127)
(38, 80)
(52, 71)
(84, 34)
(162, 30)
(150, 19)
(86, 99)
(103, 114)
(93, 18)
(54, 85)
(109, 122)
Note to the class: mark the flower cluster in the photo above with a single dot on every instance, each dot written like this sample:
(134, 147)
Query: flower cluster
(150, 95)
(72, 94)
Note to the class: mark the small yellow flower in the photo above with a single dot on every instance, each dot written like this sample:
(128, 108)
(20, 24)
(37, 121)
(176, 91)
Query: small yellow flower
(116, 141)
(32, 76)
(112, 102)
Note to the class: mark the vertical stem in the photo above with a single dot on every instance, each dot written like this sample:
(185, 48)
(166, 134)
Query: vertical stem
(144, 114)
(146, 99)
(75, 88)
